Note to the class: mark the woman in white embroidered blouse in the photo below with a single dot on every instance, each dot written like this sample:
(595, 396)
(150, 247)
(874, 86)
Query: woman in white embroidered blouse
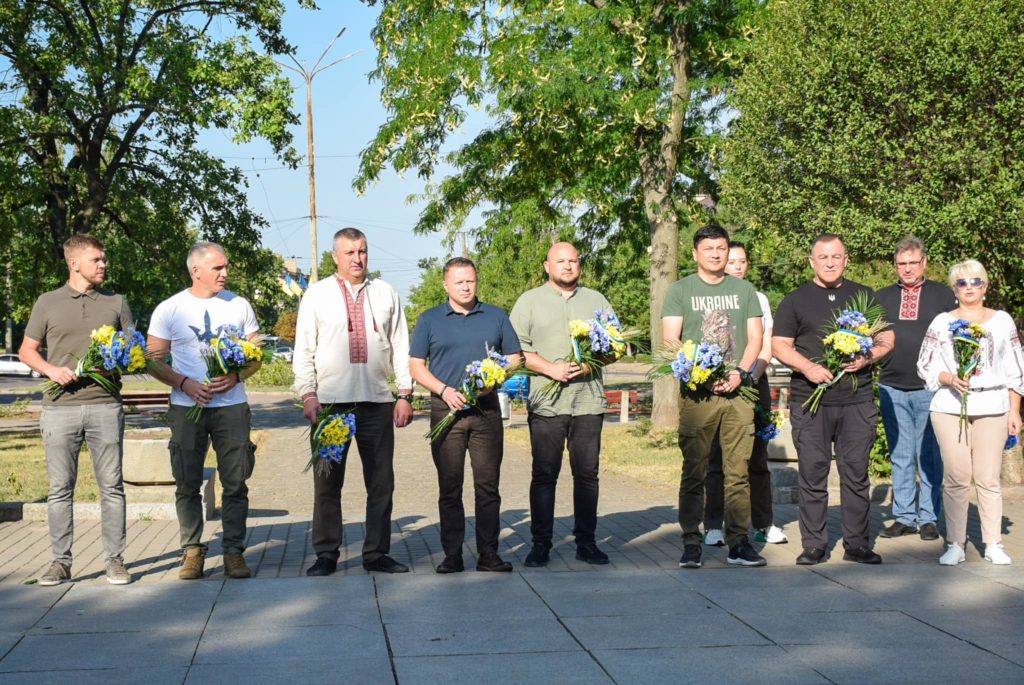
(993, 390)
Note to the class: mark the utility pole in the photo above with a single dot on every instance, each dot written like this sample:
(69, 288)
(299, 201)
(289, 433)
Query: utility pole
(465, 246)
(307, 75)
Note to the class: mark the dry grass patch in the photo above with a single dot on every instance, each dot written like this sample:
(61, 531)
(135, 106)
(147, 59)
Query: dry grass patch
(631, 451)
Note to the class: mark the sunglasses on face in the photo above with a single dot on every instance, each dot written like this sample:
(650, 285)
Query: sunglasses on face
(973, 282)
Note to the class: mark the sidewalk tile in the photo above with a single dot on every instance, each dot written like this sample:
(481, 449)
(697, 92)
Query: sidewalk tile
(564, 668)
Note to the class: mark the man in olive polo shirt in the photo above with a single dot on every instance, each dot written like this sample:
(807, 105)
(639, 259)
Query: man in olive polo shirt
(451, 336)
(62, 321)
(575, 414)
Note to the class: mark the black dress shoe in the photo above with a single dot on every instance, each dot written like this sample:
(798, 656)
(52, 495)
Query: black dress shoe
(539, 555)
(862, 555)
(386, 564)
(324, 566)
(489, 561)
(452, 564)
(929, 531)
(591, 554)
(811, 556)
(897, 529)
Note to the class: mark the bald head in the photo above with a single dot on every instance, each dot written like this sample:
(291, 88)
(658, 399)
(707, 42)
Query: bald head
(563, 266)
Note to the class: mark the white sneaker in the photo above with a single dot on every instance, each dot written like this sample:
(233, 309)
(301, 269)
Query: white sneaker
(996, 555)
(771, 535)
(715, 537)
(953, 555)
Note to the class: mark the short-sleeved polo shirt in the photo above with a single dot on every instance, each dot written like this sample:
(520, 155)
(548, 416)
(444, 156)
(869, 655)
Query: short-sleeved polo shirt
(451, 340)
(62, 321)
(541, 318)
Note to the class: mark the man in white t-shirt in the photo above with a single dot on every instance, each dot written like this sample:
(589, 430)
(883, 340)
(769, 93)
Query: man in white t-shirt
(184, 325)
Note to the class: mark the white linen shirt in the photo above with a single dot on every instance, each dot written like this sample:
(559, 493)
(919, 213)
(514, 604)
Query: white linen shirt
(1000, 367)
(321, 355)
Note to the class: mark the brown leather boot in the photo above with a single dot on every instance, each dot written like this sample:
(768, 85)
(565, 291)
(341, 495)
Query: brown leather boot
(234, 565)
(192, 563)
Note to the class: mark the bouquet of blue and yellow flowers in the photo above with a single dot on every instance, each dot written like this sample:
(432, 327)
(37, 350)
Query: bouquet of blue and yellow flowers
(967, 352)
(849, 335)
(595, 343)
(228, 352)
(767, 423)
(697, 366)
(481, 376)
(331, 439)
(111, 354)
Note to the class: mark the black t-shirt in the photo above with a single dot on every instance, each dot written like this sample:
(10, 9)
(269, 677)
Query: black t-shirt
(804, 315)
(910, 311)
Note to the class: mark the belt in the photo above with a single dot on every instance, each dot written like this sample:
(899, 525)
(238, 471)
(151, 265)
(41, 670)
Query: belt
(988, 389)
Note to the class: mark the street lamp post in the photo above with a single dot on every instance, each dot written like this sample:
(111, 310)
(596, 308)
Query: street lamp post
(307, 74)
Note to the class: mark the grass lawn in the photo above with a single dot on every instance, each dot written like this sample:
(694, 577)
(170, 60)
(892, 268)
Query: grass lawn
(23, 468)
(631, 451)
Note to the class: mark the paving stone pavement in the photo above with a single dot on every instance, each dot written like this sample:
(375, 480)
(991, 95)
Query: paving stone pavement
(638, 620)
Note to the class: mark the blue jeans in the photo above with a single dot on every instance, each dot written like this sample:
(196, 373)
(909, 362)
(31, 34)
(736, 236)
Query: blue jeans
(915, 455)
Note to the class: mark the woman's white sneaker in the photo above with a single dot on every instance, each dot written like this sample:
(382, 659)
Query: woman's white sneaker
(954, 555)
(771, 535)
(996, 555)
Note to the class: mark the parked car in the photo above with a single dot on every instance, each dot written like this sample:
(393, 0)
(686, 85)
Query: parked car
(283, 351)
(11, 365)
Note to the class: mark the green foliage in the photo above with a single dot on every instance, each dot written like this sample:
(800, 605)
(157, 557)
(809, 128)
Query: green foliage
(101, 106)
(274, 374)
(877, 119)
(285, 326)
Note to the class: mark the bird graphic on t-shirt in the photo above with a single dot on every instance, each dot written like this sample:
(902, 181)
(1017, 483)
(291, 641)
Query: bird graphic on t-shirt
(207, 335)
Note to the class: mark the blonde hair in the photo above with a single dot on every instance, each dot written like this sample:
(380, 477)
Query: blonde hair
(969, 268)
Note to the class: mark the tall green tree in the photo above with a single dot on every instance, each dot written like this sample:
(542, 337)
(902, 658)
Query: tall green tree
(101, 105)
(876, 119)
(604, 119)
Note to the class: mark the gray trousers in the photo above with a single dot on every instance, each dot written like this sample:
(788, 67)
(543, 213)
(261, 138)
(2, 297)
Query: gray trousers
(101, 427)
(228, 429)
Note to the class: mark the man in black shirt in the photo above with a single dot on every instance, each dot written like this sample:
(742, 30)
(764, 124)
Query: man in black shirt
(846, 416)
(911, 305)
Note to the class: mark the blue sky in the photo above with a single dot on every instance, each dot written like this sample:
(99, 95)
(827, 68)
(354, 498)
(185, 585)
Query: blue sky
(346, 114)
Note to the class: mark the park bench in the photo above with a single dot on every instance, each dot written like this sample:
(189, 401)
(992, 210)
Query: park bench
(615, 403)
(145, 400)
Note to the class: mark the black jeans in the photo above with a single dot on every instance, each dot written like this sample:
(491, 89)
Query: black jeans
(548, 438)
(375, 437)
(479, 430)
(851, 428)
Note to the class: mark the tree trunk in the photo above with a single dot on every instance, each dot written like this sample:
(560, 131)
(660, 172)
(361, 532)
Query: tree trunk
(664, 271)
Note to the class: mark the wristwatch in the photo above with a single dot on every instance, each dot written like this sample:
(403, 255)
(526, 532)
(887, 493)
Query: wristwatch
(406, 397)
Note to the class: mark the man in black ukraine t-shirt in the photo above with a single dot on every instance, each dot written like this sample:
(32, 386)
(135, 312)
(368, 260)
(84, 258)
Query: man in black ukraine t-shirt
(847, 416)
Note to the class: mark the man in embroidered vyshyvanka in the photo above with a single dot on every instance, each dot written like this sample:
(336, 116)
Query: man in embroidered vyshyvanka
(62, 321)
(911, 305)
(184, 326)
(350, 335)
(846, 417)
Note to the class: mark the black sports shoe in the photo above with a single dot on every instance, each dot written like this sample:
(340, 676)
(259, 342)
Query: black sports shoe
(452, 564)
(811, 556)
(591, 554)
(743, 554)
(897, 529)
(490, 561)
(539, 555)
(691, 556)
(324, 566)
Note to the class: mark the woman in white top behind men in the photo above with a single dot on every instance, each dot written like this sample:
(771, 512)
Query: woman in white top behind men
(993, 411)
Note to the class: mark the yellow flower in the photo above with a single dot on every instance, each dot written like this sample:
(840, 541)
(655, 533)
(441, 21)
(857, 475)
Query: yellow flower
(976, 331)
(493, 374)
(251, 350)
(579, 329)
(699, 375)
(138, 360)
(843, 343)
(103, 335)
(863, 329)
(334, 433)
(688, 348)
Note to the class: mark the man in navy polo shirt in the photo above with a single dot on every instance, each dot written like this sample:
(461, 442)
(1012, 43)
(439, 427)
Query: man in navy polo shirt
(451, 336)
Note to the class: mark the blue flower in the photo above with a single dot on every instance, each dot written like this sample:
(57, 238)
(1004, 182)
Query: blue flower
(682, 368)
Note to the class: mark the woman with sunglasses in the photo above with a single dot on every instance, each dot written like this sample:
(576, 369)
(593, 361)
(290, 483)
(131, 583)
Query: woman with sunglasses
(993, 390)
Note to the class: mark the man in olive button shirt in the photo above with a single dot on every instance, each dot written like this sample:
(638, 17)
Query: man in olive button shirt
(575, 414)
